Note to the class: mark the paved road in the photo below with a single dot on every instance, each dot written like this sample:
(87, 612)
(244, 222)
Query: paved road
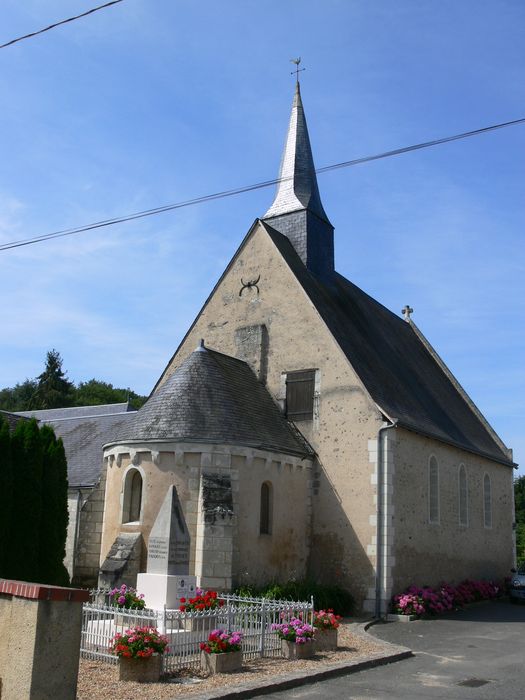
(475, 654)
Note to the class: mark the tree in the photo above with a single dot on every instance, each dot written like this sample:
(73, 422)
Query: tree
(54, 516)
(95, 393)
(519, 505)
(53, 389)
(33, 504)
(6, 493)
(27, 501)
(18, 397)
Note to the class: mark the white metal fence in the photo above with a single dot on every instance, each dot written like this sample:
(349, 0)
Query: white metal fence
(186, 630)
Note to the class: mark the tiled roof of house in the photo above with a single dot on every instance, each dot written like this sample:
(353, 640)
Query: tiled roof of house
(55, 414)
(84, 430)
(11, 418)
(213, 398)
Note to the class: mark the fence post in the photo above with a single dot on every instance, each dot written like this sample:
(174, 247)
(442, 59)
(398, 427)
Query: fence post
(163, 631)
(263, 628)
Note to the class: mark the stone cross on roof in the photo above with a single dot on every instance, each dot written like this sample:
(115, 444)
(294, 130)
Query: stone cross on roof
(406, 311)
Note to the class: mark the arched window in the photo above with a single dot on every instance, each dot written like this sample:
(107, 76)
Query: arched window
(433, 491)
(132, 496)
(265, 526)
(487, 501)
(463, 495)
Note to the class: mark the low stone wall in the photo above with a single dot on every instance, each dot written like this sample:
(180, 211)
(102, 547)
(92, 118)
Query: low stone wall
(39, 641)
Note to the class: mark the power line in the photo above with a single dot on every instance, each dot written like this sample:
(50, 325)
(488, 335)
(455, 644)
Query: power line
(250, 188)
(419, 146)
(57, 24)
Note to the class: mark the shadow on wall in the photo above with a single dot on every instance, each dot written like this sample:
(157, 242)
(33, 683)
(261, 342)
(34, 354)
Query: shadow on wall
(337, 557)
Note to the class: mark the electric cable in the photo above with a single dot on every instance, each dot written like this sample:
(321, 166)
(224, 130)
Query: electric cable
(57, 24)
(250, 188)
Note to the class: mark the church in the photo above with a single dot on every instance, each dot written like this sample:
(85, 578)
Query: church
(308, 431)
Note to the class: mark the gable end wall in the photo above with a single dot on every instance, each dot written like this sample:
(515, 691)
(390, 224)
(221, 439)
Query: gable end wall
(343, 486)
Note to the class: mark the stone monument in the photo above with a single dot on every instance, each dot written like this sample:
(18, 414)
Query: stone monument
(167, 579)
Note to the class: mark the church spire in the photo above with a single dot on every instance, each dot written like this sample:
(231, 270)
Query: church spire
(297, 188)
(297, 211)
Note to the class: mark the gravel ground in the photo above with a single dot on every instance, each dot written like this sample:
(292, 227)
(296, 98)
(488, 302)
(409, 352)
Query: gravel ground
(99, 681)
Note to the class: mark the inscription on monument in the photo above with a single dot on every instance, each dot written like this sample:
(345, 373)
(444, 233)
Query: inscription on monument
(169, 540)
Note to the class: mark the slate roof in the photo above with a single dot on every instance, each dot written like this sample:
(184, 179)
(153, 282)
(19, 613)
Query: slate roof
(213, 398)
(399, 372)
(84, 430)
(11, 418)
(297, 187)
(55, 414)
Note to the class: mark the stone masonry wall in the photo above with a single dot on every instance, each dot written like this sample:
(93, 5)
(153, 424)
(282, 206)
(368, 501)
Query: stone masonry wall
(224, 548)
(87, 556)
(342, 492)
(447, 551)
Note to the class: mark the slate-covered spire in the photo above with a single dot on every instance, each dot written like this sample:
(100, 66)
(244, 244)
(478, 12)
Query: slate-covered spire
(297, 211)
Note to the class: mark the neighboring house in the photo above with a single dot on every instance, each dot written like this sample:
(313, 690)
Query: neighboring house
(11, 418)
(84, 430)
(312, 433)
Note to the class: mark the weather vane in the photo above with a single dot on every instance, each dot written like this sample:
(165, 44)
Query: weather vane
(297, 70)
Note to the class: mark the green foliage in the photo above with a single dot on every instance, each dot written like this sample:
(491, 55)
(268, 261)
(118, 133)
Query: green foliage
(54, 518)
(519, 503)
(52, 389)
(325, 597)
(17, 398)
(34, 505)
(6, 492)
(27, 500)
(95, 393)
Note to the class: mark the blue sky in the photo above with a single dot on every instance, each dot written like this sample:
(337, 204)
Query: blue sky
(157, 101)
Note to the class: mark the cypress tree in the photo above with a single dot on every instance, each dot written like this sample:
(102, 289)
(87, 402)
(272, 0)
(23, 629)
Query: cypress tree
(53, 520)
(6, 498)
(27, 501)
(62, 514)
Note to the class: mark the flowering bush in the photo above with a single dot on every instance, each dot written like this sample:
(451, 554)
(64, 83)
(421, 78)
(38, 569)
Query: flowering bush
(326, 620)
(125, 597)
(408, 604)
(444, 598)
(138, 642)
(220, 642)
(204, 600)
(294, 631)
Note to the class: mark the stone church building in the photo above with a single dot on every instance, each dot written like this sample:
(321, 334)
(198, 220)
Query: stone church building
(308, 430)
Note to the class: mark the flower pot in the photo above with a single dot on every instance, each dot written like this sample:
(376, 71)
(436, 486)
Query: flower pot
(122, 621)
(221, 663)
(293, 651)
(325, 640)
(139, 669)
(203, 624)
(391, 617)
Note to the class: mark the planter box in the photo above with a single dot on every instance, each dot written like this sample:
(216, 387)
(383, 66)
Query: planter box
(221, 663)
(401, 618)
(325, 640)
(140, 670)
(293, 651)
(127, 619)
(200, 624)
